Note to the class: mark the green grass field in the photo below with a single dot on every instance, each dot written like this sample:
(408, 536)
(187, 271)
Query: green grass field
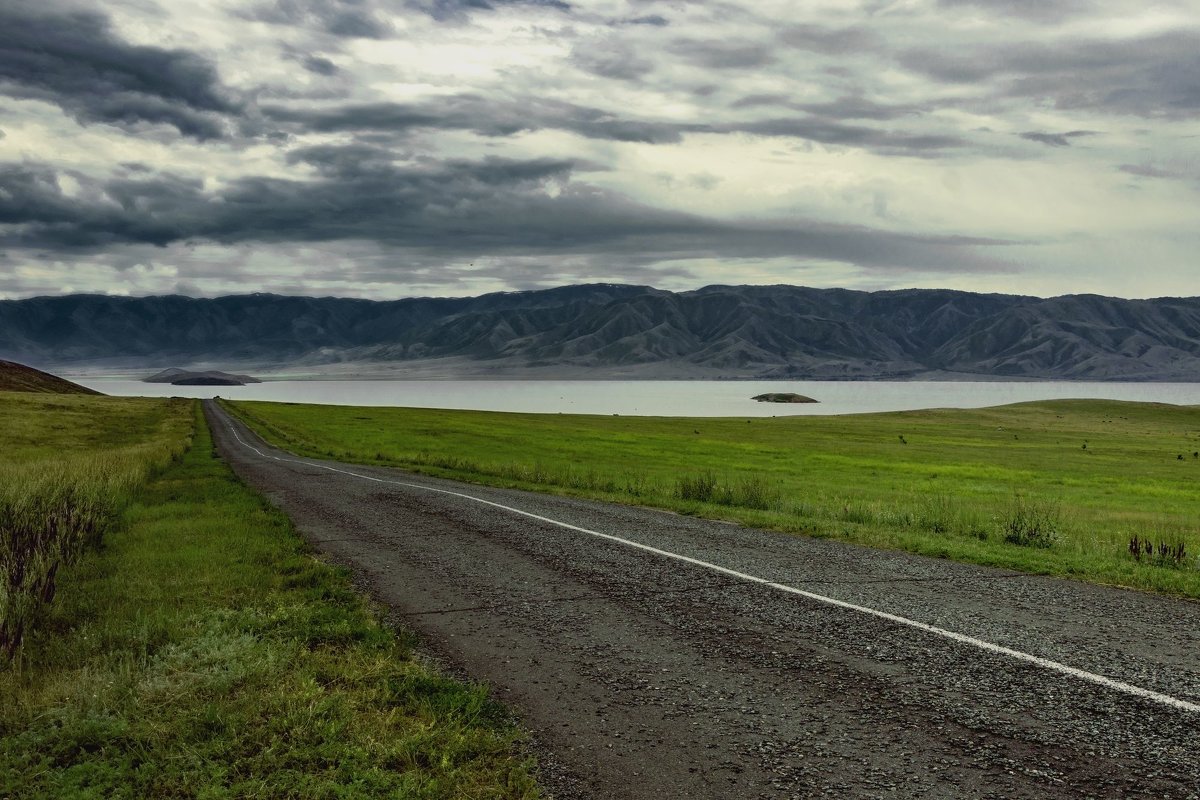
(1055, 487)
(199, 650)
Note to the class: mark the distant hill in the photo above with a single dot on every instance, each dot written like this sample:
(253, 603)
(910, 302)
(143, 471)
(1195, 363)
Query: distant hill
(183, 377)
(610, 330)
(20, 378)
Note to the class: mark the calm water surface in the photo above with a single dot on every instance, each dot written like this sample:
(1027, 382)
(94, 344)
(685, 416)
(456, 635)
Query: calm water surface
(661, 398)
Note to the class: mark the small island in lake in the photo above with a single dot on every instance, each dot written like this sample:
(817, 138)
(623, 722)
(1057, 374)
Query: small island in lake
(182, 377)
(783, 397)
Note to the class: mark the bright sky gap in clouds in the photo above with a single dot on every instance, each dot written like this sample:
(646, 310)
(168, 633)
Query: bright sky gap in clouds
(389, 148)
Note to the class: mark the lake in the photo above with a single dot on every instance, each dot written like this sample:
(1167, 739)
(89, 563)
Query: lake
(661, 398)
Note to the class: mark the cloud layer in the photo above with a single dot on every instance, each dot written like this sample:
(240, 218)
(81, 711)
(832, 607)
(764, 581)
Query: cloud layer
(390, 147)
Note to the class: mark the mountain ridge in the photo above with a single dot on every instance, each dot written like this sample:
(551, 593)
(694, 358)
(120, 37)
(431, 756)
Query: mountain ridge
(608, 330)
(16, 377)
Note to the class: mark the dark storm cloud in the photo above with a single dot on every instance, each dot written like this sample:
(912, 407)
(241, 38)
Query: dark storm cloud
(1154, 76)
(74, 60)
(150, 210)
(360, 194)
(1055, 139)
(448, 209)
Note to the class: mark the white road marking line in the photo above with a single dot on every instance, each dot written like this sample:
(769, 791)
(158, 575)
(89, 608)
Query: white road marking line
(1108, 683)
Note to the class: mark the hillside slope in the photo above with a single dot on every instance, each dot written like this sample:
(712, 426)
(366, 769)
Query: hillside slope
(20, 378)
(717, 331)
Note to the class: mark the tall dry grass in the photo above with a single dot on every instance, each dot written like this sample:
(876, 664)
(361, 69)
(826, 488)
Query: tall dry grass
(57, 504)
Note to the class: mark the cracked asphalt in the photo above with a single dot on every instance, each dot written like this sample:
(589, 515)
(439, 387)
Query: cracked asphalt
(640, 676)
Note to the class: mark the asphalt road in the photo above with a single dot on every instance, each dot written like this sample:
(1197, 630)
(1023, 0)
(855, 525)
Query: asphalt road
(677, 660)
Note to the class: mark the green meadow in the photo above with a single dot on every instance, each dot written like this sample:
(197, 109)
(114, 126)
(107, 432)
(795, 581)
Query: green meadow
(195, 647)
(1064, 488)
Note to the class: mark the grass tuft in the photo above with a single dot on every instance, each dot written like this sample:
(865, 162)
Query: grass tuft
(697, 488)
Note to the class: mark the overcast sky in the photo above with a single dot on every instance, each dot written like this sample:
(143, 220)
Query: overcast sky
(388, 148)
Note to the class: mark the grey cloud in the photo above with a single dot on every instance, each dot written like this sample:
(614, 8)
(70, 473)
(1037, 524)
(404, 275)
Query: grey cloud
(650, 19)
(482, 116)
(830, 41)
(497, 118)
(343, 18)
(444, 209)
(761, 99)
(1041, 10)
(1169, 171)
(845, 107)
(1055, 139)
(611, 57)
(835, 133)
(862, 108)
(457, 9)
(454, 113)
(74, 60)
(1154, 76)
(344, 158)
(723, 53)
(319, 65)
(1147, 171)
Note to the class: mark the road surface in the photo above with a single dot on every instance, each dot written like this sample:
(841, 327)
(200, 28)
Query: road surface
(654, 655)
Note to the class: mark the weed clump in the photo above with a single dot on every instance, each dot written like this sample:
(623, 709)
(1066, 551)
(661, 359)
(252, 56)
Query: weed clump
(1161, 554)
(1031, 523)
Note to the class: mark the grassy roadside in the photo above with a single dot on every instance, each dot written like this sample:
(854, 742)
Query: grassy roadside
(202, 652)
(68, 466)
(1056, 487)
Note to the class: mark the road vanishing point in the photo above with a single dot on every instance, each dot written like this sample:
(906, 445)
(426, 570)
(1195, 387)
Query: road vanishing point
(653, 655)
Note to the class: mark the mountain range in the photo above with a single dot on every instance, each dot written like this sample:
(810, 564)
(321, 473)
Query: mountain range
(607, 330)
